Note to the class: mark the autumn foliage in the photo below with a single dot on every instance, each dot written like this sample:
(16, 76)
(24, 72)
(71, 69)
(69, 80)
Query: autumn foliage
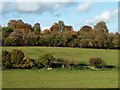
(18, 33)
(96, 62)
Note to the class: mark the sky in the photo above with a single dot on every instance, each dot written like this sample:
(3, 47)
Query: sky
(76, 14)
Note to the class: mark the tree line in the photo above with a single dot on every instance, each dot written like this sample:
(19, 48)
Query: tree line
(18, 33)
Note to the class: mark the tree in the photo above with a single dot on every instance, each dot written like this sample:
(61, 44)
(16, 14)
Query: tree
(84, 43)
(85, 29)
(66, 37)
(6, 31)
(16, 38)
(54, 27)
(101, 27)
(27, 26)
(68, 28)
(61, 25)
(19, 24)
(36, 28)
(101, 37)
(12, 23)
(74, 43)
(30, 38)
(102, 33)
(46, 31)
(86, 32)
(110, 37)
(116, 40)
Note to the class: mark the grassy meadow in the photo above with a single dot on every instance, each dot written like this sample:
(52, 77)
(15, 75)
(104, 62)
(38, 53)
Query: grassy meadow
(63, 78)
(59, 79)
(78, 54)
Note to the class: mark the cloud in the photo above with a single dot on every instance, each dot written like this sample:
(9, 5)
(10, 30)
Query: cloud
(34, 7)
(107, 16)
(84, 7)
(45, 28)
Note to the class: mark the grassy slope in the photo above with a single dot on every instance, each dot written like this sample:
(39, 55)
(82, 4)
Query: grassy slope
(79, 54)
(62, 79)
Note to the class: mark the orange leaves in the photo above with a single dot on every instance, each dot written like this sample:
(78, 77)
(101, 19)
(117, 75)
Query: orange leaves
(19, 24)
(72, 32)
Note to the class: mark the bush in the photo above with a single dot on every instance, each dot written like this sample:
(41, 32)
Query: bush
(96, 62)
(45, 60)
(28, 63)
(6, 55)
(71, 63)
(6, 59)
(17, 56)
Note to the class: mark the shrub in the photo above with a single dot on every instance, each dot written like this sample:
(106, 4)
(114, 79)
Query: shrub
(16, 66)
(6, 55)
(17, 56)
(96, 62)
(6, 59)
(71, 63)
(28, 63)
(45, 60)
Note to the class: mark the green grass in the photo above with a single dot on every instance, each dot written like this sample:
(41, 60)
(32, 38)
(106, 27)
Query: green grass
(59, 79)
(79, 54)
(63, 78)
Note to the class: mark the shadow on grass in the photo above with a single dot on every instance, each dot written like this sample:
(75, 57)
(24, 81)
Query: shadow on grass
(106, 66)
(109, 66)
(83, 65)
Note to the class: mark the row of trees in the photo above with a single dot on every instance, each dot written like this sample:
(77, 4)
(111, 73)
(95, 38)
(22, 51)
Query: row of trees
(19, 33)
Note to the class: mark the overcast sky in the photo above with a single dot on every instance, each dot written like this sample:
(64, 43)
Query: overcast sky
(76, 14)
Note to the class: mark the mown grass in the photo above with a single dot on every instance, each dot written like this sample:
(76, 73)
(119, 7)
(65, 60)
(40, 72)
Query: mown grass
(63, 78)
(59, 79)
(79, 54)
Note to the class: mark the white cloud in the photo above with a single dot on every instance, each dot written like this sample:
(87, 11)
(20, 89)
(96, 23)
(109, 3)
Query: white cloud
(84, 7)
(34, 7)
(107, 16)
(27, 7)
(45, 28)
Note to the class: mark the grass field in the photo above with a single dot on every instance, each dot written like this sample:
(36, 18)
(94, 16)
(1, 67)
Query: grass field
(63, 78)
(79, 54)
(59, 79)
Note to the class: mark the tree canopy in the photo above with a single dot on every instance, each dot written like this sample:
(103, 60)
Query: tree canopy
(18, 33)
